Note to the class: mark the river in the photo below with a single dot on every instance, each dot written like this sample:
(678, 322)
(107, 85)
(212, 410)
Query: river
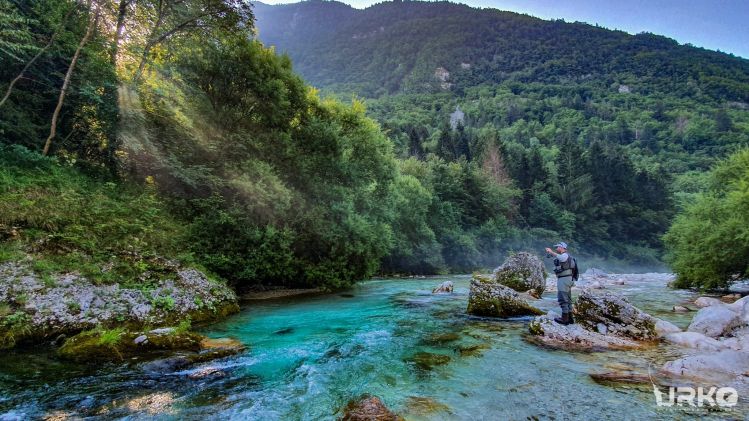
(307, 357)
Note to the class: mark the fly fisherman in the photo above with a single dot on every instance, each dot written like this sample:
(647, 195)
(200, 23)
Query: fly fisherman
(565, 267)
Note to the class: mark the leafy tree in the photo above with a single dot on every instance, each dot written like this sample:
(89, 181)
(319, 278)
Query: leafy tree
(708, 244)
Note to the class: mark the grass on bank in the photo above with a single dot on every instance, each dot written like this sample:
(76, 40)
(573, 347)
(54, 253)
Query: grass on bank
(68, 221)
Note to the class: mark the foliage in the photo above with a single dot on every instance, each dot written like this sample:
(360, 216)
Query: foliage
(71, 222)
(590, 125)
(708, 244)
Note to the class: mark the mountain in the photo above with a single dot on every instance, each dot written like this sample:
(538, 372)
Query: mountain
(602, 136)
(411, 46)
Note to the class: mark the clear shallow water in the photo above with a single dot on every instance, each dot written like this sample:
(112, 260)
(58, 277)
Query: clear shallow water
(308, 357)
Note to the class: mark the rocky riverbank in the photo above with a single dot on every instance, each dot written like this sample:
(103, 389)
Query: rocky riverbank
(53, 308)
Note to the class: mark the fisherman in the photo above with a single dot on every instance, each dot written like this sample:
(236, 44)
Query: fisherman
(565, 267)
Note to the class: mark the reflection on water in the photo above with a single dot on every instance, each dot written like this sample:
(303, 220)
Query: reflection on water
(308, 357)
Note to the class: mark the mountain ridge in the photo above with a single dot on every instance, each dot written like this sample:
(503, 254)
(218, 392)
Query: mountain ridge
(362, 50)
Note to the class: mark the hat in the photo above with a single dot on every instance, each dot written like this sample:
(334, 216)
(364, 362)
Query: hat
(561, 244)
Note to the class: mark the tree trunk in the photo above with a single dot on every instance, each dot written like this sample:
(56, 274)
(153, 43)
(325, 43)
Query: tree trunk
(121, 15)
(36, 57)
(143, 60)
(66, 82)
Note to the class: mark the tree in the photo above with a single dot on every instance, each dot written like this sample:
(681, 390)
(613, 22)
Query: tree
(92, 22)
(168, 18)
(708, 243)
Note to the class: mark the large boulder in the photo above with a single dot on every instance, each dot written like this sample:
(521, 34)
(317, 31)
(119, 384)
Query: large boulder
(522, 272)
(715, 366)
(487, 297)
(69, 303)
(614, 315)
(715, 321)
(368, 408)
(545, 331)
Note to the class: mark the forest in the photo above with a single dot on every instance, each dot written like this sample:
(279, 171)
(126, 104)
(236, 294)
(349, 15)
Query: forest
(604, 136)
(174, 128)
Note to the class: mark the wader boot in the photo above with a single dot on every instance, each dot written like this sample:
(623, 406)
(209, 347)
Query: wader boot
(566, 319)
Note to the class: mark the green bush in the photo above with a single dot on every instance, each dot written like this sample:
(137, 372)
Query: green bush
(708, 244)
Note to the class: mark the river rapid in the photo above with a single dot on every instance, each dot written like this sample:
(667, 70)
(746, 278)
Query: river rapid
(419, 352)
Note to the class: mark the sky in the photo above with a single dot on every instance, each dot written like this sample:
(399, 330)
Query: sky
(713, 24)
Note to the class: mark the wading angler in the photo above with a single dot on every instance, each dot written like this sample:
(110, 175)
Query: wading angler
(565, 267)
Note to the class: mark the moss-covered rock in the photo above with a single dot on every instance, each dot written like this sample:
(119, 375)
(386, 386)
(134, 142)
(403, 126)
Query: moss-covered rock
(487, 297)
(611, 314)
(119, 344)
(522, 272)
(40, 308)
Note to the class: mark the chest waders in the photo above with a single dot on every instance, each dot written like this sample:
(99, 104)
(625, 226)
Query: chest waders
(564, 271)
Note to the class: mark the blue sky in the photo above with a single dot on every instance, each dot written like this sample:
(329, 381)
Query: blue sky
(714, 24)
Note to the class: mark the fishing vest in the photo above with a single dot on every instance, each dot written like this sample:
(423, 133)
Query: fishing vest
(564, 268)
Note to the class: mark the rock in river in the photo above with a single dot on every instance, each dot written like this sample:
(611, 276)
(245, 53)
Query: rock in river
(614, 312)
(714, 321)
(707, 302)
(522, 272)
(118, 344)
(574, 337)
(715, 366)
(487, 297)
(368, 408)
(694, 340)
(445, 287)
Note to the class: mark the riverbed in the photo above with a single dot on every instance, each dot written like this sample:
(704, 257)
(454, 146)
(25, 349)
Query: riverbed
(419, 352)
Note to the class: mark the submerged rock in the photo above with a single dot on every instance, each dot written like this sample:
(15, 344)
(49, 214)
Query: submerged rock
(118, 345)
(489, 298)
(419, 405)
(445, 287)
(428, 360)
(574, 337)
(522, 272)
(613, 311)
(680, 309)
(368, 408)
(441, 338)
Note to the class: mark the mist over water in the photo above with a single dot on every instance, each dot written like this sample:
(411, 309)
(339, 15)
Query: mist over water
(392, 338)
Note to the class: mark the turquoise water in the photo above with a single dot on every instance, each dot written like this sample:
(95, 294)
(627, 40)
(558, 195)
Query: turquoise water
(391, 338)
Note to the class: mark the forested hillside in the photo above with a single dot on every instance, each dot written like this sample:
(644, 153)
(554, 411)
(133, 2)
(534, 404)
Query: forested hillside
(600, 135)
